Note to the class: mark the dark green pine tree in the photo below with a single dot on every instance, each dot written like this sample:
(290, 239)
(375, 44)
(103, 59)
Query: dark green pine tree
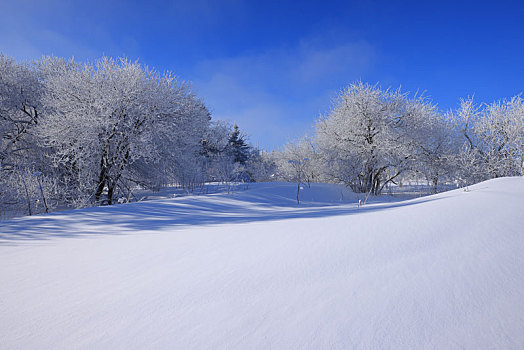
(238, 146)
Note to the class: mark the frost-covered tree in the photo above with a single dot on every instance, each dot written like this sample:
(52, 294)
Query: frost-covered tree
(177, 135)
(219, 162)
(20, 91)
(296, 163)
(26, 191)
(298, 159)
(229, 157)
(102, 119)
(262, 166)
(468, 166)
(435, 145)
(495, 134)
(366, 138)
(20, 155)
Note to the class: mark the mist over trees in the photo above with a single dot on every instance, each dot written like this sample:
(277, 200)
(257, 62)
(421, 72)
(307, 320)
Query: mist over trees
(82, 134)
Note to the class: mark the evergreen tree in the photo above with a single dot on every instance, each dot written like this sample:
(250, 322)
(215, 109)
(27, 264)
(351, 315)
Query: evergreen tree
(238, 146)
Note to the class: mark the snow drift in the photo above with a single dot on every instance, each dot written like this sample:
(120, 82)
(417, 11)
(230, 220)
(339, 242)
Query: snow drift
(254, 270)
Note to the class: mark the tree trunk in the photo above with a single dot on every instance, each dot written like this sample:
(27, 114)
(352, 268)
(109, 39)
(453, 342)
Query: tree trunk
(28, 198)
(298, 192)
(110, 191)
(435, 183)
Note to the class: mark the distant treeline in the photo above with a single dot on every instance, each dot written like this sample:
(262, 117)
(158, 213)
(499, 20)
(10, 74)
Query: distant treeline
(81, 134)
(374, 137)
(76, 135)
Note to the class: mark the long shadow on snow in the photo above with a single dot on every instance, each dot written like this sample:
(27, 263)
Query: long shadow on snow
(156, 215)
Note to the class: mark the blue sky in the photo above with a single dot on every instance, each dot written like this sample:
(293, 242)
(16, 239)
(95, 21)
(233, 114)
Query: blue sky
(274, 66)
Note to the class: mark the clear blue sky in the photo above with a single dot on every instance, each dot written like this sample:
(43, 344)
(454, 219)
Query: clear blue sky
(273, 66)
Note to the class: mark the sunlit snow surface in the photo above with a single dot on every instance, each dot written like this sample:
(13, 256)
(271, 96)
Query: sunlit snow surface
(254, 270)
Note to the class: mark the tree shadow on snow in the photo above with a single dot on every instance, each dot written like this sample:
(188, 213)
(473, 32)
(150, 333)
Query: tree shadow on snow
(172, 214)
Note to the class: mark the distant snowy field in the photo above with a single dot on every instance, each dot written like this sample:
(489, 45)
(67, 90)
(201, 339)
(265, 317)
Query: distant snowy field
(252, 269)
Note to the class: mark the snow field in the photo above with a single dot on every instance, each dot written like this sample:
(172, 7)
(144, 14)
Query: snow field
(253, 270)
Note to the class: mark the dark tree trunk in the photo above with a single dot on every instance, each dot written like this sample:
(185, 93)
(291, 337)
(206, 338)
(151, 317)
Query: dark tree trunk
(101, 180)
(110, 191)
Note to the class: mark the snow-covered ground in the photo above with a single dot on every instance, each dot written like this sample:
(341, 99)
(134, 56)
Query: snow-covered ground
(254, 270)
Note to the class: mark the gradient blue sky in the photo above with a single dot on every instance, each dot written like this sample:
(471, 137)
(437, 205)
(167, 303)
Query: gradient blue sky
(274, 66)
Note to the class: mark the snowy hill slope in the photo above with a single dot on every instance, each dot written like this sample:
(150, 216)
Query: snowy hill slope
(253, 270)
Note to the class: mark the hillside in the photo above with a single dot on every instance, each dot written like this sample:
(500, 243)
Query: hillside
(254, 270)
